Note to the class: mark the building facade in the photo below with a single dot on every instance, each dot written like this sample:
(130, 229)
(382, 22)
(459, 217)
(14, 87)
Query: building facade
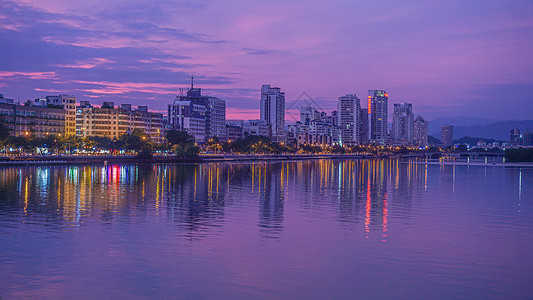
(215, 118)
(31, 120)
(526, 138)
(365, 126)
(256, 127)
(112, 122)
(310, 113)
(272, 107)
(421, 132)
(403, 124)
(446, 132)
(378, 107)
(203, 117)
(65, 102)
(233, 133)
(348, 116)
(6, 100)
(514, 136)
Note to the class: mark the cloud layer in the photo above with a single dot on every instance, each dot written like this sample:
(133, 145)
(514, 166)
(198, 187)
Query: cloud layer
(443, 57)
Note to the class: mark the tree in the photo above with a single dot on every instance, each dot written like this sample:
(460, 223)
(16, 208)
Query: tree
(310, 148)
(18, 142)
(519, 155)
(187, 151)
(135, 142)
(71, 142)
(49, 141)
(191, 151)
(337, 149)
(214, 144)
(178, 137)
(182, 143)
(461, 148)
(4, 131)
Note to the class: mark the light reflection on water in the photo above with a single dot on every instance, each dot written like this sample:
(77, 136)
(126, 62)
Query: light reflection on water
(326, 229)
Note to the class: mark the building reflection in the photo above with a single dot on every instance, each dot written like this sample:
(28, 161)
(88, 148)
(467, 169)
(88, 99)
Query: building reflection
(270, 180)
(361, 194)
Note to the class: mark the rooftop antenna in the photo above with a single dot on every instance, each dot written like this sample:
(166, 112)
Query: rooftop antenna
(192, 82)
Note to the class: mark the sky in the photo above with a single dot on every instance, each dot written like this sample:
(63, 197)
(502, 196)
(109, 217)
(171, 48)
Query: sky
(448, 58)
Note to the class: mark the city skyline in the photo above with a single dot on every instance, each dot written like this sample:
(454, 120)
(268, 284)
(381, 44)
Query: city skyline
(441, 57)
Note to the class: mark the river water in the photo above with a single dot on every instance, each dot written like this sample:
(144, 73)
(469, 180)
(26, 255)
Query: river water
(298, 229)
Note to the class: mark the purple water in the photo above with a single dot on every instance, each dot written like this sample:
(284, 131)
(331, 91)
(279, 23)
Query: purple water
(304, 229)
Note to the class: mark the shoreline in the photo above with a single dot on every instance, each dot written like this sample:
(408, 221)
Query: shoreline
(477, 164)
(132, 159)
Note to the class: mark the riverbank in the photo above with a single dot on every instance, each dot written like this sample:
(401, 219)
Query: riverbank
(208, 158)
(478, 163)
(133, 159)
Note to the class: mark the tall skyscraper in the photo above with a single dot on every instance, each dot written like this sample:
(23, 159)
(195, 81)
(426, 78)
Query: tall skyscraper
(421, 132)
(446, 132)
(365, 126)
(215, 125)
(273, 111)
(349, 109)
(403, 124)
(378, 102)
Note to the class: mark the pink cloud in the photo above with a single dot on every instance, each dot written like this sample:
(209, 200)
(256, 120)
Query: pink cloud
(31, 75)
(49, 90)
(87, 64)
(242, 113)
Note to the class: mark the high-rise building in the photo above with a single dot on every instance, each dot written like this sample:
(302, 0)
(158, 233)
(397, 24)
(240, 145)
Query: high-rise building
(365, 126)
(526, 139)
(403, 124)
(378, 102)
(514, 137)
(446, 132)
(188, 115)
(421, 132)
(216, 118)
(203, 117)
(273, 111)
(349, 109)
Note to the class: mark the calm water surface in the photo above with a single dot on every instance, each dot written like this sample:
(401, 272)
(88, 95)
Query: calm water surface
(306, 229)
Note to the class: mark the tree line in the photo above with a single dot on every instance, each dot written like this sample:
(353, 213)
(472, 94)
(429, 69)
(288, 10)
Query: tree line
(180, 143)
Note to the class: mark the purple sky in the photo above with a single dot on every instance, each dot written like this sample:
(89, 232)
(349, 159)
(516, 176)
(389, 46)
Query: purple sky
(454, 58)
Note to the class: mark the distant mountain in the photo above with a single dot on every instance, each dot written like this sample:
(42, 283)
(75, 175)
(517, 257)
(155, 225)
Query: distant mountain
(433, 140)
(473, 140)
(435, 125)
(498, 131)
